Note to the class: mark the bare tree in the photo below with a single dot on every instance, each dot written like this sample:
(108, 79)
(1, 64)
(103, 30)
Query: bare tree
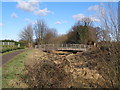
(119, 21)
(40, 31)
(102, 35)
(61, 39)
(51, 34)
(108, 14)
(109, 19)
(27, 35)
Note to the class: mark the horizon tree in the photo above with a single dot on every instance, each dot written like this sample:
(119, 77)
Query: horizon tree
(50, 36)
(40, 30)
(27, 35)
(108, 14)
(82, 32)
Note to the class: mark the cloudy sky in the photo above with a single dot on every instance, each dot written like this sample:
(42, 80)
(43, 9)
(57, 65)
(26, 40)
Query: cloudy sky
(59, 15)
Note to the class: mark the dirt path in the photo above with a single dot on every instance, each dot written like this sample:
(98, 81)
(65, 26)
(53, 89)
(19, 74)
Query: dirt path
(9, 56)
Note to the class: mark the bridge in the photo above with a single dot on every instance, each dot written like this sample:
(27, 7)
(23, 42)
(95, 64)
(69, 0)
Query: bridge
(72, 47)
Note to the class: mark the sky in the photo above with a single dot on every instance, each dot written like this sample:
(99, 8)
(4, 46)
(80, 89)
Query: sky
(59, 15)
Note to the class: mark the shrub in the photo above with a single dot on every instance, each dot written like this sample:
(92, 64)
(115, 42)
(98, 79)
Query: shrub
(3, 50)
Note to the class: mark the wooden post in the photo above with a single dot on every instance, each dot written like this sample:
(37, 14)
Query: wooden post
(53, 46)
(66, 46)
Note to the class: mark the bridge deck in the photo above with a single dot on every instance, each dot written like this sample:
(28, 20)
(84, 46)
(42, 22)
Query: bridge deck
(75, 47)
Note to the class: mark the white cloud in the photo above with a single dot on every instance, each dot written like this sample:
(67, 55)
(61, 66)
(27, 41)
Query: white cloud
(34, 2)
(42, 12)
(81, 17)
(97, 8)
(58, 22)
(27, 20)
(94, 19)
(34, 22)
(78, 17)
(1, 24)
(14, 15)
(32, 6)
(94, 8)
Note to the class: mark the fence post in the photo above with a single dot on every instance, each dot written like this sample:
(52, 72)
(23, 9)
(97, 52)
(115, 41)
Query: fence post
(3, 43)
(8, 43)
(18, 45)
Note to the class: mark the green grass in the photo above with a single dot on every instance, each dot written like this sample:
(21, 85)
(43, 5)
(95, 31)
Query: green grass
(12, 70)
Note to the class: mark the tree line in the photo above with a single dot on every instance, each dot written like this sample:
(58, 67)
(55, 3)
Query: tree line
(82, 32)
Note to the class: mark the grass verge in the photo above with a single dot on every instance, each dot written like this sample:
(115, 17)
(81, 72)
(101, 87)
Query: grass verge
(12, 70)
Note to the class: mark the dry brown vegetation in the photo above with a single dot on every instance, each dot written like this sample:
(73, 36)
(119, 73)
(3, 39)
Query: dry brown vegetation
(96, 68)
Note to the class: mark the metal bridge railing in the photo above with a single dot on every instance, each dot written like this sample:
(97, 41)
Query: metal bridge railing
(64, 47)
